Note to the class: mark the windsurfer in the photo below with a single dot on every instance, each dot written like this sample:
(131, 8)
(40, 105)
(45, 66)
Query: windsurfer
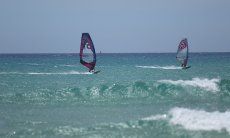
(87, 61)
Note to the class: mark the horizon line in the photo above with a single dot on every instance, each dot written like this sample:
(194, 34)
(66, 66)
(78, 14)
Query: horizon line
(109, 52)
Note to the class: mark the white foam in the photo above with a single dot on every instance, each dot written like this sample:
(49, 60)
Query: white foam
(200, 119)
(207, 84)
(48, 73)
(59, 73)
(94, 92)
(32, 64)
(68, 65)
(155, 117)
(68, 130)
(160, 67)
(10, 73)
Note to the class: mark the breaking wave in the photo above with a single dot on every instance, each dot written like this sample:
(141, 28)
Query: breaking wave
(176, 119)
(206, 84)
(172, 67)
(200, 120)
(117, 93)
(177, 122)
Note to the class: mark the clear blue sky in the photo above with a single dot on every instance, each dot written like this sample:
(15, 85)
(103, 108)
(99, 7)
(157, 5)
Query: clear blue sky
(55, 26)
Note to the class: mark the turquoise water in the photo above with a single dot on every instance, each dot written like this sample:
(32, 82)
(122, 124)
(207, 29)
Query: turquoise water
(134, 95)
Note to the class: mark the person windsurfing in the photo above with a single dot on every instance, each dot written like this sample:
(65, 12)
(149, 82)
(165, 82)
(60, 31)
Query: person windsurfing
(87, 53)
(182, 53)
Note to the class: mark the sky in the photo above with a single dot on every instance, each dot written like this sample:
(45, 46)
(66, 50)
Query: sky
(116, 26)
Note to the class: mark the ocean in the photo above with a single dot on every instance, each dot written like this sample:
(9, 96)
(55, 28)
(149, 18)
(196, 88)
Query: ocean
(134, 95)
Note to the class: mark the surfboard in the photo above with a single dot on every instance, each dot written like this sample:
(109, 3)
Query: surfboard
(186, 67)
(95, 72)
(182, 53)
(87, 52)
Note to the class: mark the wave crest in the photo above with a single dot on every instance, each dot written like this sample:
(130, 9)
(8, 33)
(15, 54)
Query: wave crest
(206, 84)
(200, 119)
(141, 90)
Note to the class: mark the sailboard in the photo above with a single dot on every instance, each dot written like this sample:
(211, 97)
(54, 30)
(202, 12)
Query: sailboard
(87, 53)
(182, 53)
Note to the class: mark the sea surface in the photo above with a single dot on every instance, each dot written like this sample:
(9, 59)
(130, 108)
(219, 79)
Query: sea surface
(134, 95)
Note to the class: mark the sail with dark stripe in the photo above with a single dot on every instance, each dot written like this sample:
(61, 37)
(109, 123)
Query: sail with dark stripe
(182, 52)
(87, 52)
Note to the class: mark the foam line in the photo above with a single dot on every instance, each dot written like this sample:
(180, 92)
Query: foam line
(47, 73)
(67, 65)
(155, 117)
(160, 67)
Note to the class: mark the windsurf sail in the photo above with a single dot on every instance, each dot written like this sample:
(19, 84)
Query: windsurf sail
(182, 52)
(87, 52)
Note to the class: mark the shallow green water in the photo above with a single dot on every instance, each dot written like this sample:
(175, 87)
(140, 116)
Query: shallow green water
(134, 95)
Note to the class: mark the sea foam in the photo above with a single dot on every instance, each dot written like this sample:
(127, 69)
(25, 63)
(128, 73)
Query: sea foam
(200, 120)
(160, 67)
(155, 117)
(203, 83)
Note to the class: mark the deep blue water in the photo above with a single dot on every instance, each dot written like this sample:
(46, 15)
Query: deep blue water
(134, 95)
